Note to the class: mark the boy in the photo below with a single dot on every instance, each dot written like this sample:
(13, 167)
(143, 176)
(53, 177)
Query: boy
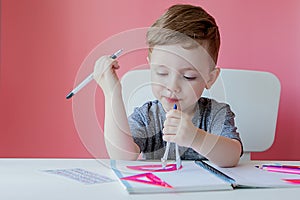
(183, 50)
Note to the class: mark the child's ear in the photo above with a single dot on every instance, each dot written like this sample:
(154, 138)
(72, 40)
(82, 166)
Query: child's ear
(148, 59)
(213, 75)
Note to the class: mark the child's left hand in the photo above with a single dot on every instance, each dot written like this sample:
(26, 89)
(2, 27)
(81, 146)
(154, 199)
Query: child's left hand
(179, 128)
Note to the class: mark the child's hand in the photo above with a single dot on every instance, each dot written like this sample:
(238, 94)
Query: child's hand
(179, 128)
(105, 74)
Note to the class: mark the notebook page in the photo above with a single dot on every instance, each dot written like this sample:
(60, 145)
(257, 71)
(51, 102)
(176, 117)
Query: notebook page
(247, 175)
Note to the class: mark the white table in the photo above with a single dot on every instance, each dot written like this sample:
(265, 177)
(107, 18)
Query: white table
(24, 179)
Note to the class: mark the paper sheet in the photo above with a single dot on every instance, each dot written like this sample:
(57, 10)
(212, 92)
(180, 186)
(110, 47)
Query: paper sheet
(80, 175)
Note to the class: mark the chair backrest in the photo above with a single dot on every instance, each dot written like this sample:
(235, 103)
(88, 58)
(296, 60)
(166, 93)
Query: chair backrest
(253, 96)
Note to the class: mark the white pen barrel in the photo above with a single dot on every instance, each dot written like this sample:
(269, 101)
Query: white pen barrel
(89, 78)
(83, 83)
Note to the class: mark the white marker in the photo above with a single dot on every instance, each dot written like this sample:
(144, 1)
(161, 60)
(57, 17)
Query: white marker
(89, 78)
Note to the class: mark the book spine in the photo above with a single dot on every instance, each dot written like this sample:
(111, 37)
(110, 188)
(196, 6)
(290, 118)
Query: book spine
(216, 172)
(119, 175)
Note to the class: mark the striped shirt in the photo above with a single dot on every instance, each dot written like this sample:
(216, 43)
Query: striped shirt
(146, 125)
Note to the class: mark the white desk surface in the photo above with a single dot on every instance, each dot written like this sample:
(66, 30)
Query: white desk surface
(23, 179)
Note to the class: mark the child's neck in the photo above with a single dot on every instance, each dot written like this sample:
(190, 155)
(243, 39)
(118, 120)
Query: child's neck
(191, 110)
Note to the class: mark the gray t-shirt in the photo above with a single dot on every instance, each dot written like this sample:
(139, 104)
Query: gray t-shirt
(146, 125)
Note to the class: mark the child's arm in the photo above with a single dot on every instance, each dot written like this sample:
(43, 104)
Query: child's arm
(223, 151)
(118, 139)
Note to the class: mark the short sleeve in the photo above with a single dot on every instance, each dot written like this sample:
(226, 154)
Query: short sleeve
(146, 124)
(137, 125)
(223, 123)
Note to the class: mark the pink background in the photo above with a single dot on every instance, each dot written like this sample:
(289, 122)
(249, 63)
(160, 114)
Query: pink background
(44, 42)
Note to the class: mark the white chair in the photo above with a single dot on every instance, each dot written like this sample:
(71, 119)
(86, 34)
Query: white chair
(253, 96)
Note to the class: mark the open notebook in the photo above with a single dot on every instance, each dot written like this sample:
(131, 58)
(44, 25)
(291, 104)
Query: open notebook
(148, 177)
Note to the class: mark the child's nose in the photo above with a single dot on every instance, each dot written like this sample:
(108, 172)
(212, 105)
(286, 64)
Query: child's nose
(173, 85)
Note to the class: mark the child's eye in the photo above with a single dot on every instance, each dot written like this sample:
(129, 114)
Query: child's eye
(162, 73)
(189, 77)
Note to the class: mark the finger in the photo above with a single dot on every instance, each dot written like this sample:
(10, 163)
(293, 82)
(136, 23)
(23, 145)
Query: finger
(116, 66)
(178, 115)
(109, 62)
(168, 138)
(169, 130)
(102, 64)
(172, 122)
(174, 114)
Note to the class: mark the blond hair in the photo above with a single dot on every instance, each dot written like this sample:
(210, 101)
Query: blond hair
(181, 23)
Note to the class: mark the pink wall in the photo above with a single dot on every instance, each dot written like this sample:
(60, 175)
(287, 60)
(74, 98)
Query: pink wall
(44, 43)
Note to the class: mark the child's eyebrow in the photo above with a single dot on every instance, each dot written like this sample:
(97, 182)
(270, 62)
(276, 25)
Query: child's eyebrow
(160, 66)
(181, 70)
(188, 68)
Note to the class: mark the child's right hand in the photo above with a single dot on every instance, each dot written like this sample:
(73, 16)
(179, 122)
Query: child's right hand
(105, 74)
(179, 128)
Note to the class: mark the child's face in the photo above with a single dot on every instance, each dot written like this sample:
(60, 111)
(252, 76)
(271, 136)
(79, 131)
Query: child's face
(180, 75)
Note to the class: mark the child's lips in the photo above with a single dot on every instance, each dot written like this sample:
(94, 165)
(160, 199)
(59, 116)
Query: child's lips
(172, 100)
